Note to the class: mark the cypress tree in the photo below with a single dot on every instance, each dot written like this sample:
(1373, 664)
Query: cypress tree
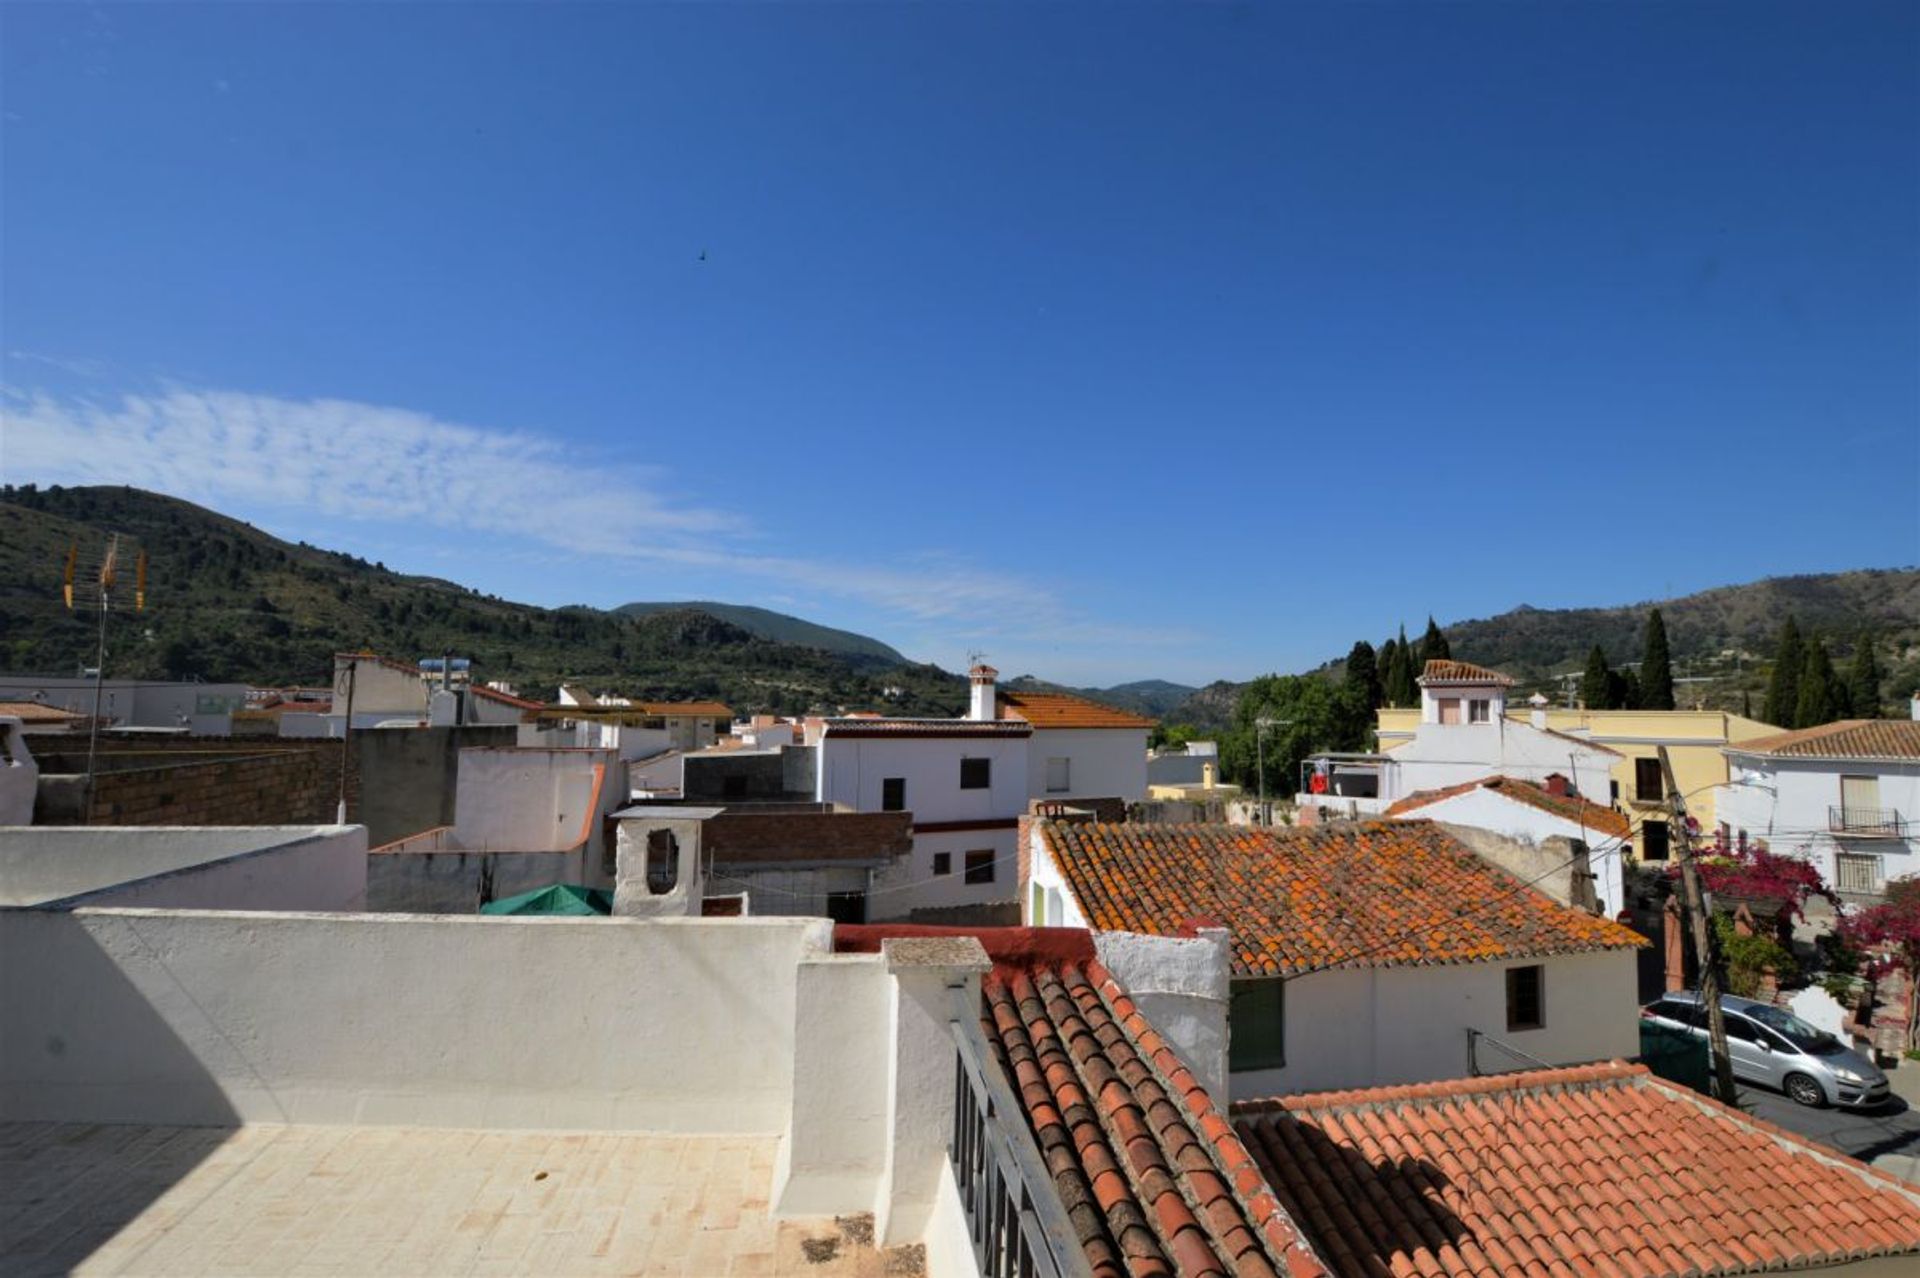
(1783, 686)
(1816, 702)
(1363, 674)
(1863, 679)
(1596, 691)
(1656, 668)
(1401, 689)
(1625, 687)
(1434, 645)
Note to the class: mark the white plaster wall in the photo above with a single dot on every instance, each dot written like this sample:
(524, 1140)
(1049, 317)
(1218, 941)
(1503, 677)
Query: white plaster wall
(1522, 822)
(322, 870)
(1181, 985)
(949, 1238)
(1375, 1027)
(910, 883)
(308, 724)
(150, 1016)
(852, 769)
(1441, 755)
(40, 864)
(19, 774)
(529, 800)
(1058, 906)
(786, 892)
(666, 772)
(1106, 762)
(836, 1149)
(451, 880)
(378, 691)
(1786, 802)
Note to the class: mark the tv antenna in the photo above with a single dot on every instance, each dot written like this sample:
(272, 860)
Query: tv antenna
(97, 584)
(975, 657)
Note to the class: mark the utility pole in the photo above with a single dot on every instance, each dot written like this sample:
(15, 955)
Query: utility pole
(346, 743)
(1718, 1060)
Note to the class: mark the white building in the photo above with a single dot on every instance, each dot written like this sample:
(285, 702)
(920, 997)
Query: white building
(19, 774)
(1364, 954)
(381, 692)
(203, 709)
(1845, 795)
(1530, 815)
(1464, 734)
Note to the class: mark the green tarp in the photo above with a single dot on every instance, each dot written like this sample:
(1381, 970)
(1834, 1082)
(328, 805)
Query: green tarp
(1674, 1055)
(561, 898)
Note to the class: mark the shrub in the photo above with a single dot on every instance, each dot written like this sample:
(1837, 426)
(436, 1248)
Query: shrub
(1748, 958)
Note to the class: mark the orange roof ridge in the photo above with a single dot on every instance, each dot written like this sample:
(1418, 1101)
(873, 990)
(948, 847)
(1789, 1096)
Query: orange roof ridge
(1066, 710)
(1446, 670)
(1842, 739)
(1568, 807)
(1529, 1080)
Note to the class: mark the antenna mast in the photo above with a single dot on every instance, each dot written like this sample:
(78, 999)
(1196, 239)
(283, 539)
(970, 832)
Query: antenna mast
(98, 580)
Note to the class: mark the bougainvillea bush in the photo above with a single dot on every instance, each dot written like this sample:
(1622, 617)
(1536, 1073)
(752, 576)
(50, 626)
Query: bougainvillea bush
(1758, 875)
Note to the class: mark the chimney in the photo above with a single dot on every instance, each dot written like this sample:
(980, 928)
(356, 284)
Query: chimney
(1555, 783)
(1206, 776)
(1538, 716)
(981, 706)
(1915, 711)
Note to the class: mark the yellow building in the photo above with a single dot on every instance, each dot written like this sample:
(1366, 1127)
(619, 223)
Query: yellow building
(1694, 741)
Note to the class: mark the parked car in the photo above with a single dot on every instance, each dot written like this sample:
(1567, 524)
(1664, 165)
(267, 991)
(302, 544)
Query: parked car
(1773, 1047)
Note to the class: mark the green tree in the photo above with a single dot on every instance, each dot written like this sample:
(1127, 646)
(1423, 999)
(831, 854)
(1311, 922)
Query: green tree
(1402, 691)
(1656, 667)
(1818, 700)
(1363, 674)
(1433, 646)
(1863, 679)
(1305, 713)
(1596, 685)
(1783, 686)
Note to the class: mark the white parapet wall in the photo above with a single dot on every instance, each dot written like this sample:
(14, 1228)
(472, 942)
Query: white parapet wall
(208, 1017)
(270, 867)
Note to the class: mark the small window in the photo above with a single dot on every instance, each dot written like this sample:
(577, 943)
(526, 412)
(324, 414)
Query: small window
(1525, 1006)
(663, 861)
(1653, 840)
(1648, 785)
(1477, 711)
(1037, 906)
(893, 794)
(980, 867)
(943, 863)
(1257, 1025)
(1059, 774)
(976, 774)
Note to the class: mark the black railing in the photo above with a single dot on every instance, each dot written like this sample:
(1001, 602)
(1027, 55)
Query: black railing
(1883, 823)
(1018, 1225)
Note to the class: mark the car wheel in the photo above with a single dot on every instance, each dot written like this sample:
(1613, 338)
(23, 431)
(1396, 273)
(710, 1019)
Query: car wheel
(1804, 1091)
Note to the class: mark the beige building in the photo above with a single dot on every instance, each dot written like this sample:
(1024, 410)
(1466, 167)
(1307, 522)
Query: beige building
(1694, 740)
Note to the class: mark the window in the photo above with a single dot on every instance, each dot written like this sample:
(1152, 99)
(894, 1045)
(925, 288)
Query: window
(1449, 709)
(1059, 772)
(1738, 1029)
(1525, 1006)
(663, 861)
(1257, 1025)
(893, 794)
(1653, 841)
(1477, 711)
(943, 863)
(976, 774)
(1037, 906)
(1648, 785)
(980, 867)
(1673, 1009)
(847, 907)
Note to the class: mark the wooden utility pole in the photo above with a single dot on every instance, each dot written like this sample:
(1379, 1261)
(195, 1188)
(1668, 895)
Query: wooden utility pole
(1718, 1060)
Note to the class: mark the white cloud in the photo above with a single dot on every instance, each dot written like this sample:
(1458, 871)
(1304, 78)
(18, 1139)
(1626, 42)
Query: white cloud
(262, 455)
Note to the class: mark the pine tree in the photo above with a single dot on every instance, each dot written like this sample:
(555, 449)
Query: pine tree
(1363, 674)
(1816, 701)
(1783, 687)
(1863, 679)
(1433, 645)
(1401, 689)
(1656, 667)
(1595, 690)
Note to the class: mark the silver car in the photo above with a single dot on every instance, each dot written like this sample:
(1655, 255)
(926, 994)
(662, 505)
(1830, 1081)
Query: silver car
(1771, 1046)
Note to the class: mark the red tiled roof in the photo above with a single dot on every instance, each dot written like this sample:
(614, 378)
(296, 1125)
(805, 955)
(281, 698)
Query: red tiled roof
(1349, 894)
(1596, 1170)
(1151, 1174)
(37, 712)
(1847, 739)
(506, 698)
(1566, 806)
(1442, 671)
(852, 727)
(1063, 710)
(704, 709)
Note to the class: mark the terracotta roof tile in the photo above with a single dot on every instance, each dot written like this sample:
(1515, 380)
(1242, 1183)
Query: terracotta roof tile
(1063, 710)
(1350, 894)
(1442, 671)
(1847, 739)
(1598, 1169)
(865, 727)
(1570, 807)
(38, 712)
(704, 709)
(1151, 1173)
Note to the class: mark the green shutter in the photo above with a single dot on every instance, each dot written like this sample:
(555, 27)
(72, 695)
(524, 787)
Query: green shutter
(1257, 1025)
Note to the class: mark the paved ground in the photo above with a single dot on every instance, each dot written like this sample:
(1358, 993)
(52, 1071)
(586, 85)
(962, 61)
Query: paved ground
(1887, 1137)
(338, 1201)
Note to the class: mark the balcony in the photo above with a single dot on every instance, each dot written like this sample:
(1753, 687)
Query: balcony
(1017, 1224)
(1867, 823)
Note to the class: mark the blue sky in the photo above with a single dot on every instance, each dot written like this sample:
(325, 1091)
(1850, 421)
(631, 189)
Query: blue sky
(1184, 342)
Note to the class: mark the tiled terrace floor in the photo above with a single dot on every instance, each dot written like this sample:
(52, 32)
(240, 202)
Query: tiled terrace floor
(402, 1201)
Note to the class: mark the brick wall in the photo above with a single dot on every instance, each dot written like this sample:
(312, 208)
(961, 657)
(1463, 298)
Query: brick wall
(281, 786)
(745, 838)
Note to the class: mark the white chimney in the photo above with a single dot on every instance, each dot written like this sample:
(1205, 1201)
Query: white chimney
(981, 706)
(1538, 716)
(1915, 710)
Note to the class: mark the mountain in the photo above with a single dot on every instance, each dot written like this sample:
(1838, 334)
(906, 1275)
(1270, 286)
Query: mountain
(226, 601)
(778, 627)
(1723, 637)
(1150, 697)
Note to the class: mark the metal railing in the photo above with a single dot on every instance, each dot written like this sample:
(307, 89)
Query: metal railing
(1017, 1223)
(1883, 823)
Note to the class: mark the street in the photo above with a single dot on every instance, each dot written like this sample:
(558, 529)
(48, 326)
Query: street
(1887, 1137)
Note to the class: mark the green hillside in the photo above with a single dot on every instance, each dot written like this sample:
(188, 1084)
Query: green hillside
(226, 601)
(1150, 697)
(778, 627)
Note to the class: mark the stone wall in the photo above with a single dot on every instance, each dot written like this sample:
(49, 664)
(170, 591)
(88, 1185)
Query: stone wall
(189, 781)
(751, 838)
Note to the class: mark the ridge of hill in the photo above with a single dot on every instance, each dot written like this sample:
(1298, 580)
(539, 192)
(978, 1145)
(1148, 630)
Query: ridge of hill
(1150, 697)
(779, 627)
(226, 601)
